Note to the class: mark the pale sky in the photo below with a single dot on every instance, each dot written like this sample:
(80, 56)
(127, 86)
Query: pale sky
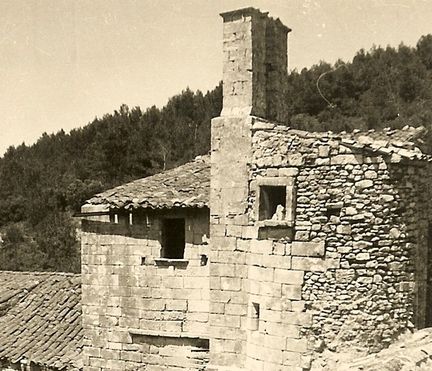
(63, 62)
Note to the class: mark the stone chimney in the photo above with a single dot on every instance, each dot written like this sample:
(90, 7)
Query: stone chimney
(254, 78)
(254, 65)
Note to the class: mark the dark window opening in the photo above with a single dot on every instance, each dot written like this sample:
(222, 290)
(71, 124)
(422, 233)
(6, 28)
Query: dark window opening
(196, 344)
(270, 198)
(141, 219)
(204, 260)
(333, 212)
(173, 238)
(255, 316)
(121, 218)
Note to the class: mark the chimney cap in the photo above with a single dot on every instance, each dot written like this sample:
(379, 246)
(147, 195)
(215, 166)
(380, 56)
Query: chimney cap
(243, 12)
(250, 11)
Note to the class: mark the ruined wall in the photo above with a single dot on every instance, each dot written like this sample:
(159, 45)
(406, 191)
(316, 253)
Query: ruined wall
(349, 267)
(139, 309)
(359, 236)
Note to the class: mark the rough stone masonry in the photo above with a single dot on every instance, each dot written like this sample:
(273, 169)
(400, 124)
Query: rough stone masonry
(316, 240)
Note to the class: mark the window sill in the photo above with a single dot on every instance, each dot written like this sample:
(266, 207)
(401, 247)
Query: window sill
(275, 230)
(275, 223)
(173, 262)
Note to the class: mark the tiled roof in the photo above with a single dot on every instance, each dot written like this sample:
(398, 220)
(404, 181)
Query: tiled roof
(184, 186)
(189, 185)
(40, 319)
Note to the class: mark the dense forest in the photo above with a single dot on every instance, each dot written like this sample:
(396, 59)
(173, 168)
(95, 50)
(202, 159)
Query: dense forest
(44, 184)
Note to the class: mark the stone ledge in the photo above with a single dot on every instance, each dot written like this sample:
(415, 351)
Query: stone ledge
(275, 223)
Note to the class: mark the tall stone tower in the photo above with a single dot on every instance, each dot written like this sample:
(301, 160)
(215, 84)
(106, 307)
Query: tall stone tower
(254, 84)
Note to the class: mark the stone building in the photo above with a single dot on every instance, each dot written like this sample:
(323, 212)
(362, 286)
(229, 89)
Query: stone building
(277, 245)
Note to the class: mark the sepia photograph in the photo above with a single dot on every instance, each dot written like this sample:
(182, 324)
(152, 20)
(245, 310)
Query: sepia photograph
(215, 185)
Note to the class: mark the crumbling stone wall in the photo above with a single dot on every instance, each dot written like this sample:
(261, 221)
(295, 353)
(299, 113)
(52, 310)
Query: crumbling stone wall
(139, 309)
(370, 214)
(350, 268)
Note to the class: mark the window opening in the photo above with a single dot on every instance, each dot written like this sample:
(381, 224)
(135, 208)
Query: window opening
(333, 211)
(255, 316)
(173, 238)
(272, 203)
(203, 260)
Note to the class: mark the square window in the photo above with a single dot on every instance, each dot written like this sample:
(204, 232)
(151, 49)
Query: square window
(272, 203)
(173, 238)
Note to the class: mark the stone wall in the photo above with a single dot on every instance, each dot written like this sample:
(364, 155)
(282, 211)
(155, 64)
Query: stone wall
(139, 309)
(350, 268)
(231, 151)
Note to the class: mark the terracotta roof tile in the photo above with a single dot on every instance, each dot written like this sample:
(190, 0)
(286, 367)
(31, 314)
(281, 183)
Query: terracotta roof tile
(36, 310)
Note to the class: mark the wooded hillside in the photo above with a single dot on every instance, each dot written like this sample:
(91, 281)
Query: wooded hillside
(42, 185)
